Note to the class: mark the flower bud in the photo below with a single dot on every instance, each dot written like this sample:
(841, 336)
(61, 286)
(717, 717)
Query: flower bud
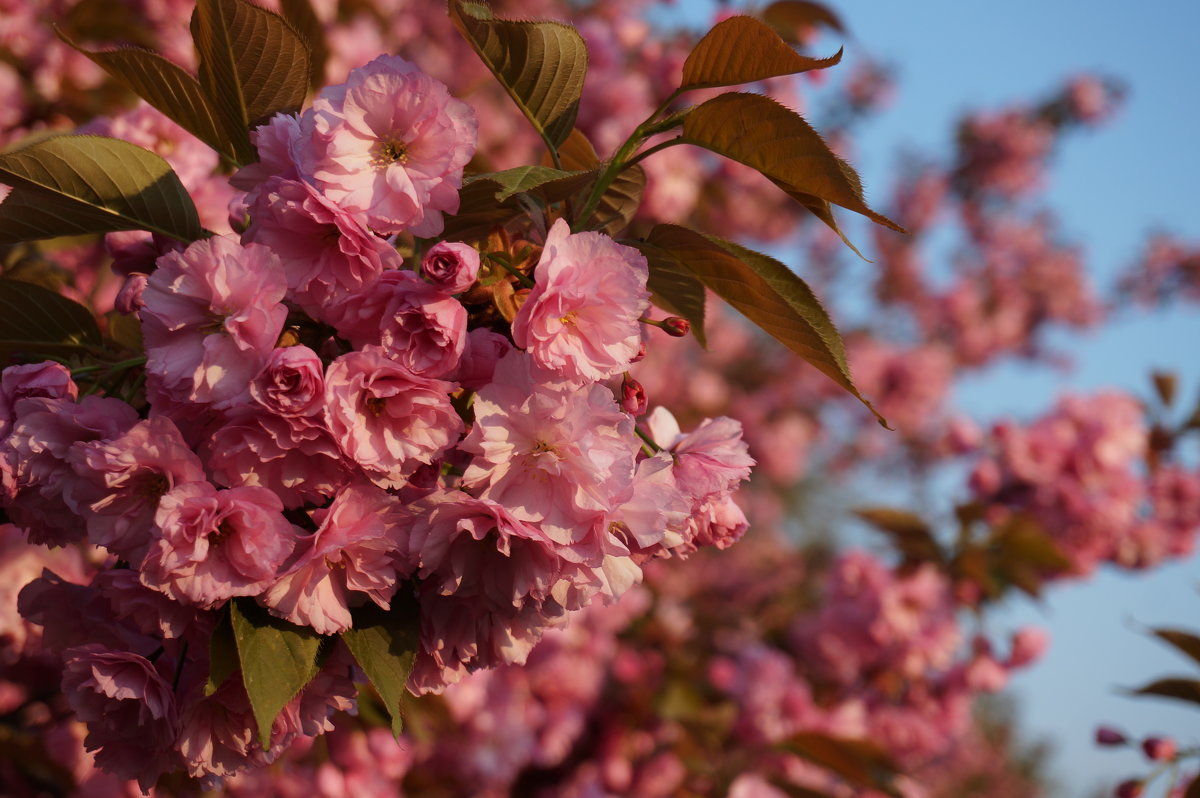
(676, 326)
(450, 266)
(1107, 735)
(1130, 789)
(1160, 749)
(130, 297)
(633, 396)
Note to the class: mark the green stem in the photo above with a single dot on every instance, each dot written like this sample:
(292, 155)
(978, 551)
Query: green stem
(522, 278)
(649, 442)
(618, 162)
(662, 145)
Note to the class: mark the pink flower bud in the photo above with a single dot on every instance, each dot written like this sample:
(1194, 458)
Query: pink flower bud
(130, 297)
(1130, 789)
(450, 266)
(1160, 749)
(676, 326)
(1107, 735)
(1028, 645)
(633, 396)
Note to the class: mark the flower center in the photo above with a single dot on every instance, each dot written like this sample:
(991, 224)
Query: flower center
(387, 151)
(375, 405)
(568, 320)
(223, 530)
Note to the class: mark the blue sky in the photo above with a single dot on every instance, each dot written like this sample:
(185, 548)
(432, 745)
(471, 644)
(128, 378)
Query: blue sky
(1110, 187)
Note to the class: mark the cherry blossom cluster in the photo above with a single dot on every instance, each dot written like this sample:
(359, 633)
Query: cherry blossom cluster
(328, 424)
(1079, 471)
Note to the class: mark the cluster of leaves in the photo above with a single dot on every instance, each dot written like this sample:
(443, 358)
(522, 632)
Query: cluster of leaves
(253, 64)
(989, 559)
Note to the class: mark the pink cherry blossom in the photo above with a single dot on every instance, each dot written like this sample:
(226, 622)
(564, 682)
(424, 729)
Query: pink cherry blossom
(580, 321)
(129, 709)
(297, 458)
(551, 453)
(390, 144)
(348, 560)
(217, 544)
(44, 494)
(487, 582)
(126, 478)
(387, 419)
(451, 267)
(292, 383)
(326, 252)
(212, 317)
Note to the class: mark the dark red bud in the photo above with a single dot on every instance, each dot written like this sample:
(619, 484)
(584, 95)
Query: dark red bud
(676, 326)
(1160, 749)
(1130, 789)
(633, 396)
(1107, 735)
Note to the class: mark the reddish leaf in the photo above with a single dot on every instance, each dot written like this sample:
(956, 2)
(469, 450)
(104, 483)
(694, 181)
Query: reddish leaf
(911, 535)
(766, 136)
(743, 50)
(790, 18)
(859, 762)
(766, 292)
(1185, 642)
(1178, 688)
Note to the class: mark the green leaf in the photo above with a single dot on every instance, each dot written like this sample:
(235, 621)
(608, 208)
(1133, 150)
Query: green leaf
(743, 50)
(673, 287)
(71, 185)
(541, 65)
(766, 292)
(278, 659)
(909, 532)
(384, 644)
(859, 762)
(1178, 688)
(790, 18)
(552, 184)
(222, 655)
(253, 65)
(764, 135)
(1185, 642)
(172, 90)
(35, 320)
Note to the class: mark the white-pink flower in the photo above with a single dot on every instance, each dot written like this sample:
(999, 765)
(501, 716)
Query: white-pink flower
(551, 453)
(217, 544)
(387, 419)
(211, 318)
(292, 384)
(296, 458)
(580, 321)
(326, 251)
(127, 476)
(390, 143)
(351, 558)
(710, 460)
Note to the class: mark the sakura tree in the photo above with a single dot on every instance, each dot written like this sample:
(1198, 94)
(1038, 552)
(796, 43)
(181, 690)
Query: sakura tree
(377, 423)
